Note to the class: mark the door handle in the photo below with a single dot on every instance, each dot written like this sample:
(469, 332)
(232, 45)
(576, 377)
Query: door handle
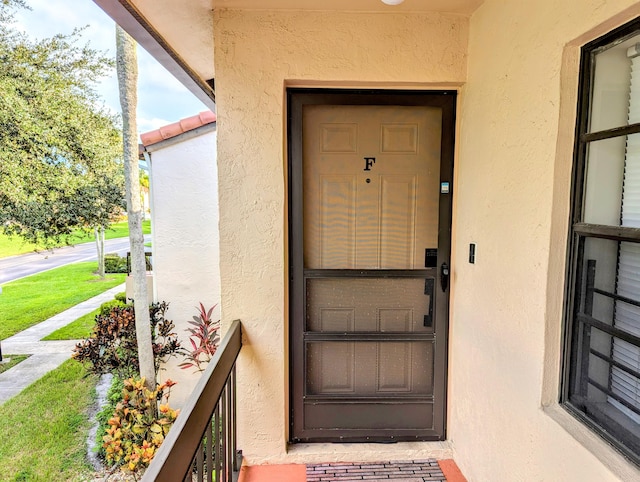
(444, 276)
(428, 291)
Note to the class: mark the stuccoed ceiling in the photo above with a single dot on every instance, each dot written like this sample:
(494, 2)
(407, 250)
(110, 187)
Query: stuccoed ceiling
(452, 6)
(179, 33)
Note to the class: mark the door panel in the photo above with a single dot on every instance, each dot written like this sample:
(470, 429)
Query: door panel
(368, 317)
(366, 369)
(369, 218)
(335, 231)
(396, 221)
(361, 419)
(367, 305)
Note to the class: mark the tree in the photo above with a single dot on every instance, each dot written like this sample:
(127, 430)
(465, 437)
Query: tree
(59, 150)
(5, 5)
(127, 66)
(103, 198)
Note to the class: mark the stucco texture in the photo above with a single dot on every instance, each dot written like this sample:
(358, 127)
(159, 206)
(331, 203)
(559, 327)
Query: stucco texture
(512, 194)
(188, 29)
(256, 53)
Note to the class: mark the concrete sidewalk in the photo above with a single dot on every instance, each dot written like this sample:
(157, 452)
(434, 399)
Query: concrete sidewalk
(45, 355)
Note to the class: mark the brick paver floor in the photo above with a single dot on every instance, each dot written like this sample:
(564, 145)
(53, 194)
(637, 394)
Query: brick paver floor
(397, 471)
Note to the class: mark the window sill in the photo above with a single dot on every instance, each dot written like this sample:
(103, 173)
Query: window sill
(599, 448)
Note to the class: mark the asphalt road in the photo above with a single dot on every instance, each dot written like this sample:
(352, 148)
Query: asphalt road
(16, 267)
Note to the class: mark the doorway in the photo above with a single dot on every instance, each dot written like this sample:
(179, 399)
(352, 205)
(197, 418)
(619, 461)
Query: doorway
(370, 188)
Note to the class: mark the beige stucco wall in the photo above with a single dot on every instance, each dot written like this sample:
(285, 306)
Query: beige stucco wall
(513, 178)
(511, 196)
(185, 239)
(256, 54)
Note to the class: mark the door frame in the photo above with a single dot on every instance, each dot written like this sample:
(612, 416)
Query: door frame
(297, 98)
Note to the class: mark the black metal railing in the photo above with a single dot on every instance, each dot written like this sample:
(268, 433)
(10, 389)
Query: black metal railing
(148, 261)
(201, 445)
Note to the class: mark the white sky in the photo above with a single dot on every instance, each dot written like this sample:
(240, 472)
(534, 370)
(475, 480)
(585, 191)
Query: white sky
(161, 98)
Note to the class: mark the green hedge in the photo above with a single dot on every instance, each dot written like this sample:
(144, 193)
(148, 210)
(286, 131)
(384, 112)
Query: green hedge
(114, 263)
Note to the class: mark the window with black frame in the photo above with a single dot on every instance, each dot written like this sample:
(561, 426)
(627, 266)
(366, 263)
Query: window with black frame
(602, 357)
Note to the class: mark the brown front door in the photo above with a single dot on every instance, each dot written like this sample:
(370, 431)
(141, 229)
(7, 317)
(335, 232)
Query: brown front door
(370, 210)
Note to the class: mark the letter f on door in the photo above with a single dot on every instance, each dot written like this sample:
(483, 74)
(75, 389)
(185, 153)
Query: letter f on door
(369, 162)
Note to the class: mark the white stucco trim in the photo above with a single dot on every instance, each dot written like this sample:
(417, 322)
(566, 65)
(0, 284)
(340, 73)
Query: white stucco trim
(185, 237)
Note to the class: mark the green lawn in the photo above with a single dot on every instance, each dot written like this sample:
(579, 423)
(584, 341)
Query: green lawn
(81, 328)
(43, 429)
(13, 361)
(33, 299)
(13, 246)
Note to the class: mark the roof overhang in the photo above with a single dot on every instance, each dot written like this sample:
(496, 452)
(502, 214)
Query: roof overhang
(181, 129)
(155, 25)
(179, 33)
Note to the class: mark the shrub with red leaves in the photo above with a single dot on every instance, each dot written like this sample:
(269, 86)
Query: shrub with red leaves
(204, 338)
(112, 346)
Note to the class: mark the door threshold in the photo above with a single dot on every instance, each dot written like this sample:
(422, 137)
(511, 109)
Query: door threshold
(307, 453)
(426, 469)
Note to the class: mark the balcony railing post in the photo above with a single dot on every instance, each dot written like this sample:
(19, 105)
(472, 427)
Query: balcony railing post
(226, 477)
(209, 433)
(216, 437)
(200, 463)
(230, 449)
(234, 439)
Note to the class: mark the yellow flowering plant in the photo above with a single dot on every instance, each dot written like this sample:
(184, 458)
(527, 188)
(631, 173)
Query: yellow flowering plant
(139, 424)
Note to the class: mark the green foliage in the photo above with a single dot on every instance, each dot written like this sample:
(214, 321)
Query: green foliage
(8, 6)
(114, 263)
(204, 338)
(144, 179)
(107, 306)
(114, 396)
(112, 346)
(60, 153)
(122, 296)
(136, 430)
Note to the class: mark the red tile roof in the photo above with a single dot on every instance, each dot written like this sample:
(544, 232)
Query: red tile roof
(177, 128)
